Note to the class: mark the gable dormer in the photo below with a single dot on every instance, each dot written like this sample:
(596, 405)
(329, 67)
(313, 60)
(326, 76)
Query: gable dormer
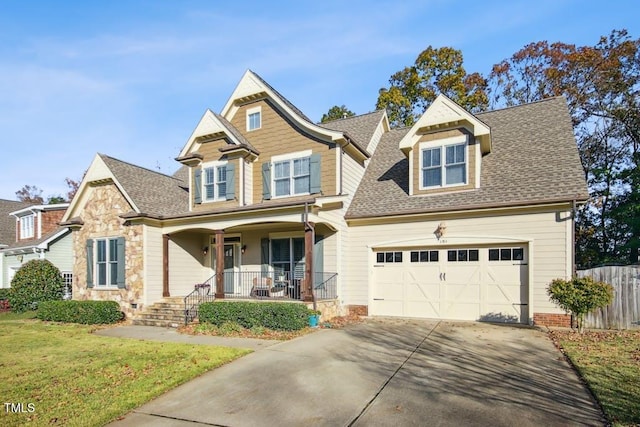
(36, 221)
(267, 148)
(445, 148)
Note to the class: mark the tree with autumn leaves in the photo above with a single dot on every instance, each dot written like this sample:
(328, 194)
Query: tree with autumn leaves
(601, 84)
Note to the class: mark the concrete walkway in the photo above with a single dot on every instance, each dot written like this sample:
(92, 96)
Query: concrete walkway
(386, 373)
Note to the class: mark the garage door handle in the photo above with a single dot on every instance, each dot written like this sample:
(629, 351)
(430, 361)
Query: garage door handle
(378, 299)
(443, 276)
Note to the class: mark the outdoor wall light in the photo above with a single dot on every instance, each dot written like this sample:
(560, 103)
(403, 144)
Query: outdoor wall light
(205, 250)
(243, 249)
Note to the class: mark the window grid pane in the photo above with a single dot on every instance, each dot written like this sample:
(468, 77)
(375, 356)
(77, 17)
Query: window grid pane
(254, 121)
(455, 164)
(431, 170)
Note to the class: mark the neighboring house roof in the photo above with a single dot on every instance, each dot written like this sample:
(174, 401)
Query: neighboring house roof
(42, 242)
(534, 160)
(8, 222)
(361, 127)
(152, 192)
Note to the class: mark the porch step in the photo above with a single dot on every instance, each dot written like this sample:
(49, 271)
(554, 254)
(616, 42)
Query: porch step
(168, 313)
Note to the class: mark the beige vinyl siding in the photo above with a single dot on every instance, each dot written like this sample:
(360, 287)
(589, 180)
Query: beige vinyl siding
(60, 253)
(471, 161)
(248, 183)
(279, 136)
(547, 256)
(186, 262)
(352, 172)
(375, 139)
(152, 264)
(210, 150)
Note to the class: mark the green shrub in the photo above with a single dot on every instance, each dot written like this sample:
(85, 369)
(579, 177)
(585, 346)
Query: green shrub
(4, 293)
(85, 312)
(36, 281)
(271, 315)
(580, 296)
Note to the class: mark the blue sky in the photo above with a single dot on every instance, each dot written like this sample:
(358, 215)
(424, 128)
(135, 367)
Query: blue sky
(131, 79)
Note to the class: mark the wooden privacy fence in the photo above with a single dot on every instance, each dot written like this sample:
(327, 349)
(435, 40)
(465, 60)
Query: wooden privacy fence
(624, 311)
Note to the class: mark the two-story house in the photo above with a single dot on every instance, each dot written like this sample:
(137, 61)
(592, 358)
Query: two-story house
(458, 217)
(34, 232)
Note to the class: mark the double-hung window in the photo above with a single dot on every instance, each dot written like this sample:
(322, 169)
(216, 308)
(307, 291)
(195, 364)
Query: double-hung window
(214, 182)
(443, 165)
(108, 254)
(27, 227)
(291, 176)
(254, 118)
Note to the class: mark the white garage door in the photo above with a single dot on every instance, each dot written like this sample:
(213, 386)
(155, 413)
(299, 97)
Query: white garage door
(455, 283)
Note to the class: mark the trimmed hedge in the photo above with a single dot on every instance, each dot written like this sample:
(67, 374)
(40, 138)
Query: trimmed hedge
(85, 312)
(272, 315)
(4, 293)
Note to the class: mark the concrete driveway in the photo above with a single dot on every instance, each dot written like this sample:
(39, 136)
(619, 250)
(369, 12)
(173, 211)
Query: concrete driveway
(387, 373)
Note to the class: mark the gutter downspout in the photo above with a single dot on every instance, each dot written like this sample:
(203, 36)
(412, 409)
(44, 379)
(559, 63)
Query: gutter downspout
(305, 220)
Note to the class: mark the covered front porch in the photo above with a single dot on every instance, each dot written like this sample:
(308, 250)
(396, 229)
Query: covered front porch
(263, 261)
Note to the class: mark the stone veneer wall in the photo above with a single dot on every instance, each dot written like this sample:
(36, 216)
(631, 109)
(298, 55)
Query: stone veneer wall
(101, 219)
(329, 309)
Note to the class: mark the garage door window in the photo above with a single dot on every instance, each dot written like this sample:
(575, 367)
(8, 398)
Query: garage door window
(388, 257)
(506, 254)
(424, 256)
(462, 255)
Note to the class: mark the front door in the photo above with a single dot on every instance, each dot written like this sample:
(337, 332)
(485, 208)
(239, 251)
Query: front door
(229, 266)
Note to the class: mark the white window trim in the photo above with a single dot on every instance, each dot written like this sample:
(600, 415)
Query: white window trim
(442, 144)
(215, 165)
(283, 158)
(251, 111)
(108, 262)
(23, 229)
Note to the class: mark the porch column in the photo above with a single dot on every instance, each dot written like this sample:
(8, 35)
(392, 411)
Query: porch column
(165, 265)
(308, 262)
(219, 264)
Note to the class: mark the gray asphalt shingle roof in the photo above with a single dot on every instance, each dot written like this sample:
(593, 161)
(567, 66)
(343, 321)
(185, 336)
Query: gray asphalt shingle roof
(8, 222)
(152, 192)
(361, 127)
(534, 159)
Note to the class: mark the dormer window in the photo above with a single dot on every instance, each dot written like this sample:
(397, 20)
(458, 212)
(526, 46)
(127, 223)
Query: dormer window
(27, 227)
(438, 173)
(215, 182)
(254, 118)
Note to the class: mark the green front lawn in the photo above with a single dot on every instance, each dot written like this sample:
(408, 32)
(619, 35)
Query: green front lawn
(610, 363)
(72, 377)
